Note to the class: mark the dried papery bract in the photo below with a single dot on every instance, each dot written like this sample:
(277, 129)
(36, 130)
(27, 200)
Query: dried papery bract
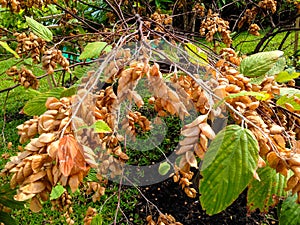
(24, 77)
(165, 98)
(51, 57)
(166, 219)
(30, 44)
(42, 163)
(213, 24)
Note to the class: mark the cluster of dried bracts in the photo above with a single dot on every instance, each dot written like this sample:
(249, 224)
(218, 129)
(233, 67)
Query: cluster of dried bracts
(56, 153)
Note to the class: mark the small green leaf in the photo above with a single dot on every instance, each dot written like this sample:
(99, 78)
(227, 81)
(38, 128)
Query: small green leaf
(57, 191)
(164, 168)
(7, 48)
(262, 194)
(285, 76)
(196, 55)
(39, 29)
(36, 106)
(288, 95)
(101, 127)
(290, 211)
(260, 63)
(227, 168)
(289, 99)
(93, 50)
(97, 220)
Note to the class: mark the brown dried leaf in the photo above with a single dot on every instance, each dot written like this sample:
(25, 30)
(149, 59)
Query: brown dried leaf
(184, 149)
(191, 159)
(189, 140)
(20, 196)
(292, 182)
(207, 130)
(33, 188)
(189, 132)
(74, 182)
(200, 152)
(196, 122)
(70, 153)
(35, 177)
(35, 205)
(273, 159)
(47, 137)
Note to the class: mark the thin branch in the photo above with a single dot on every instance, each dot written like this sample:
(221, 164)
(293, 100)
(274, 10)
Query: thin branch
(77, 17)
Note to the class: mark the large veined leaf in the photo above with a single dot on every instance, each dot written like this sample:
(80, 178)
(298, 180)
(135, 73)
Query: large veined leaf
(7, 48)
(36, 106)
(93, 50)
(197, 56)
(261, 194)
(228, 167)
(259, 64)
(39, 29)
(290, 211)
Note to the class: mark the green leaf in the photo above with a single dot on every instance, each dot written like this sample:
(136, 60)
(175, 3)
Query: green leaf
(289, 99)
(290, 211)
(164, 168)
(93, 50)
(278, 67)
(57, 191)
(261, 96)
(39, 29)
(288, 95)
(261, 194)
(36, 106)
(97, 220)
(227, 168)
(7, 48)
(257, 80)
(289, 91)
(101, 127)
(92, 175)
(196, 55)
(7, 219)
(68, 92)
(6, 64)
(260, 63)
(285, 76)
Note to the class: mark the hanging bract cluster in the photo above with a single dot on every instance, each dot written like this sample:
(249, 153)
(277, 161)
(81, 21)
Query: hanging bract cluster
(91, 128)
